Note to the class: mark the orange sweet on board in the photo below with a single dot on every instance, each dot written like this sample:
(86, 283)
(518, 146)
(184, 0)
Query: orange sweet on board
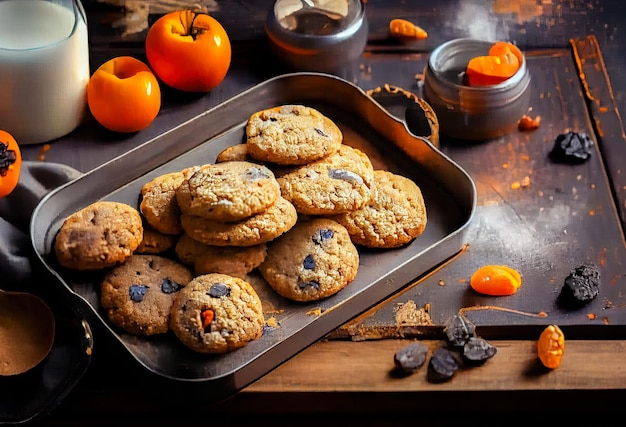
(10, 163)
(551, 346)
(496, 280)
(502, 62)
(189, 51)
(124, 95)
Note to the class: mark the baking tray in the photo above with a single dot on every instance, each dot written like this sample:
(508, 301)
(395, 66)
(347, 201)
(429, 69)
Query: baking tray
(449, 194)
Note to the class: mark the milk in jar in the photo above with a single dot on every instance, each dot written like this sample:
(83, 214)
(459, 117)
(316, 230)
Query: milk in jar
(44, 68)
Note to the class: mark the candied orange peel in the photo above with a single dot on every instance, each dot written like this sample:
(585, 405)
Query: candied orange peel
(550, 346)
(496, 280)
(403, 29)
(501, 63)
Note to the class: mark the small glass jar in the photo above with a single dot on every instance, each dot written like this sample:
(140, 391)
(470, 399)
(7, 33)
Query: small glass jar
(310, 35)
(473, 113)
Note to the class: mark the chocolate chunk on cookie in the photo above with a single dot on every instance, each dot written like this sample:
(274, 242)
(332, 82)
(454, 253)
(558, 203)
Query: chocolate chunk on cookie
(138, 294)
(291, 135)
(99, 235)
(217, 313)
(395, 216)
(228, 191)
(341, 182)
(313, 260)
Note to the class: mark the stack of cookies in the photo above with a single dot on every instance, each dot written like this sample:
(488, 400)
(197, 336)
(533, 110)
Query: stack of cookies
(293, 202)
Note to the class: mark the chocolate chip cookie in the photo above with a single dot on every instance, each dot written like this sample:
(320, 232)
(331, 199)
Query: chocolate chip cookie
(251, 231)
(100, 235)
(232, 260)
(341, 182)
(313, 260)
(217, 313)
(228, 191)
(138, 294)
(291, 135)
(395, 216)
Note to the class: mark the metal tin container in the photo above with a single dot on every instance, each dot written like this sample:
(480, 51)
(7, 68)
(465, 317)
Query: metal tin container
(308, 35)
(473, 113)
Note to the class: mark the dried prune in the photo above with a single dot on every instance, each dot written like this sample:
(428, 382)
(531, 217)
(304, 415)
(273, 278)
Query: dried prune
(477, 350)
(572, 147)
(168, 286)
(410, 358)
(219, 290)
(442, 365)
(137, 292)
(458, 330)
(582, 285)
(309, 262)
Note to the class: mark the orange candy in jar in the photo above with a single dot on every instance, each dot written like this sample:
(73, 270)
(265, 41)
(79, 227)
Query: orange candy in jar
(501, 63)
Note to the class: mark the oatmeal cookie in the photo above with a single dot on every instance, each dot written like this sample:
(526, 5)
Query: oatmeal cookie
(313, 260)
(228, 191)
(97, 236)
(291, 135)
(257, 229)
(395, 216)
(217, 313)
(158, 203)
(339, 183)
(232, 260)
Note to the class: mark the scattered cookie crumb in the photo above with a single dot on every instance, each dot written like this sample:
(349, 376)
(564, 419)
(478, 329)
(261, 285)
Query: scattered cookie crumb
(315, 312)
(407, 314)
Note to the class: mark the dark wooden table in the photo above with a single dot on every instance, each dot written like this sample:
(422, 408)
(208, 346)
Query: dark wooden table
(560, 217)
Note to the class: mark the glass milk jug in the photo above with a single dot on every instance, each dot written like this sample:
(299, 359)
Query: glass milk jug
(44, 68)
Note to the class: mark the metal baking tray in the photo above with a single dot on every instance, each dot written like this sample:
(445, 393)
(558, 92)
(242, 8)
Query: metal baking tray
(449, 194)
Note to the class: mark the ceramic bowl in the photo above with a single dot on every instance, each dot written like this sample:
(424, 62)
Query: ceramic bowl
(317, 35)
(473, 113)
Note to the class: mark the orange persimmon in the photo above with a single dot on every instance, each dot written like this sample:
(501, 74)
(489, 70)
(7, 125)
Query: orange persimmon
(189, 51)
(10, 163)
(124, 95)
(496, 280)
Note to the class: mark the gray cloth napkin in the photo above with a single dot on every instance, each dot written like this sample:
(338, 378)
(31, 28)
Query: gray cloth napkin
(36, 179)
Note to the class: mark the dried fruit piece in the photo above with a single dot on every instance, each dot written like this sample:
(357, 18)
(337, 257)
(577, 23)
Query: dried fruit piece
(572, 147)
(410, 358)
(459, 330)
(507, 52)
(207, 318)
(496, 280)
(402, 29)
(528, 123)
(442, 365)
(477, 350)
(551, 346)
(582, 285)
